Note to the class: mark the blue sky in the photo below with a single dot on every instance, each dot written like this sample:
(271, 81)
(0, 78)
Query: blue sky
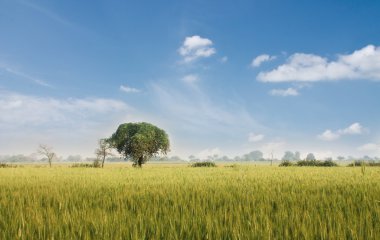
(224, 77)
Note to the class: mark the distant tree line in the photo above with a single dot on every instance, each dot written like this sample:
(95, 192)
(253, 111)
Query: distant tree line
(251, 156)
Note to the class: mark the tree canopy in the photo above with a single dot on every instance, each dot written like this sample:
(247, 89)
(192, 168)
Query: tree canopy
(140, 141)
(310, 157)
(290, 156)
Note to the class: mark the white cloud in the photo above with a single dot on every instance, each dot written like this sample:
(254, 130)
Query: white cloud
(361, 64)
(284, 92)
(328, 135)
(369, 147)
(353, 129)
(195, 47)
(252, 137)
(190, 79)
(256, 62)
(126, 89)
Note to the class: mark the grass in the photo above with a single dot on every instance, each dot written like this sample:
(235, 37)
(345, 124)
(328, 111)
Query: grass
(180, 202)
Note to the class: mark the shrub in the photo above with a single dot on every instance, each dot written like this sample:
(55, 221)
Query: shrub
(329, 163)
(316, 163)
(203, 164)
(359, 163)
(303, 163)
(5, 165)
(232, 166)
(286, 163)
(95, 164)
(373, 164)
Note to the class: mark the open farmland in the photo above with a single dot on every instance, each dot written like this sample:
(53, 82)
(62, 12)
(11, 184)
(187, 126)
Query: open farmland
(179, 202)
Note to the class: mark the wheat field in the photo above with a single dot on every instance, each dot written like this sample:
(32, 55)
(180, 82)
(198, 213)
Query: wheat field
(179, 202)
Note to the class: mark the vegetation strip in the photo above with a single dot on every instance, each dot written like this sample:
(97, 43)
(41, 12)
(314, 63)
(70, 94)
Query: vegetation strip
(180, 202)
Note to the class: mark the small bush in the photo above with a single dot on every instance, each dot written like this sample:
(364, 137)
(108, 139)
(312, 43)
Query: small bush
(329, 163)
(286, 163)
(5, 165)
(232, 166)
(373, 164)
(95, 164)
(360, 163)
(203, 164)
(309, 163)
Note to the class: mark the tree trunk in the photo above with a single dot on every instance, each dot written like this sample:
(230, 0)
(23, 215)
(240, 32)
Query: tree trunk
(104, 158)
(140, 161)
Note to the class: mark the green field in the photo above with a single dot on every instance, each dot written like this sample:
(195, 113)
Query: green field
(179, 202)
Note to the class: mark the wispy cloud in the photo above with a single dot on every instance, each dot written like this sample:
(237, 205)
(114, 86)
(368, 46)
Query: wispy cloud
(196, 111)
(253, 137)
(257, 61)
(224, 59)
(190, 78)
(196, 47)
(23, 110)
(362, 64)
(23, 75)
(353, 129)
(127, 89)
(369, 147)
(284, 92)
(46, 12)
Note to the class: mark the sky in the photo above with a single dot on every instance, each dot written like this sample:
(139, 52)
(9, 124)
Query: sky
(220, 77)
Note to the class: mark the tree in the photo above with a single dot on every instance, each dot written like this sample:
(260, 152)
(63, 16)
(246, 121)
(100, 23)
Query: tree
(340, 158)
(74, 158)
(367, 158)
(297, 156)
(288, 156)
(225, 159)
(212, 157)
(253, 156)
(175, 159)
(139, 141)
(192, 158)
(47, 152)
(310, 157)
(103, 150)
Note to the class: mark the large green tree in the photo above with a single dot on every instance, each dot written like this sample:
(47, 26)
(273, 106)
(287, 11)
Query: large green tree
(140, 141)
